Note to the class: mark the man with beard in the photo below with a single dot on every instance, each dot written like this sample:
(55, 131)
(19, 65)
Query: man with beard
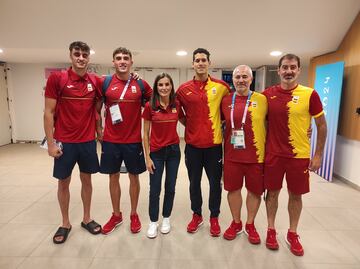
(291, 107)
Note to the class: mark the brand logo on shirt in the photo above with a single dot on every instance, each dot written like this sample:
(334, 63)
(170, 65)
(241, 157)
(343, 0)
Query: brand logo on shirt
(188, 93)
(295, 99)
(174, 110)
(89, 87)
(133, 89)
(213, 91)
(70, 86)
(273, 97)
(113, 89)
(254, 104)
(306, 170)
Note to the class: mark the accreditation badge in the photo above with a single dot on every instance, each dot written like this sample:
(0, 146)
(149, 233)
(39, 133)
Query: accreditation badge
(115, 114)
(238, 139)
(89, 87)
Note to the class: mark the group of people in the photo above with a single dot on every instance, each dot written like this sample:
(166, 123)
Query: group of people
(265, 137)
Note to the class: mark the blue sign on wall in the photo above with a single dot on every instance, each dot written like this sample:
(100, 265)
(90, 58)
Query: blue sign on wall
(328, 84)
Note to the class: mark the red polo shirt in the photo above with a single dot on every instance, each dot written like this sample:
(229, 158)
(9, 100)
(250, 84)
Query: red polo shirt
(201, 102)
(163, 125)
(129, 130)
(75, 108)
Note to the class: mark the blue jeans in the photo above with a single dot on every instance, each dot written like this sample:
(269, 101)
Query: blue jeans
(168, 157)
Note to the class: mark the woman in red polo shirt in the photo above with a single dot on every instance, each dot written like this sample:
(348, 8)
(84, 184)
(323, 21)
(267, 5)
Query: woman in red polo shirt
(161, 145)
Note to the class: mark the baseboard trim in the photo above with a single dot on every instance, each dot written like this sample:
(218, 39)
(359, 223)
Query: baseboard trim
(346, 181)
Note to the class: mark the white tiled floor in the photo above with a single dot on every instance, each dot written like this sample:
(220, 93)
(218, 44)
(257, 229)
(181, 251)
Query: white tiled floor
(29, 216)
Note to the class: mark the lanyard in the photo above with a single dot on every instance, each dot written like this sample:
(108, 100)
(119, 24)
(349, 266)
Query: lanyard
(125, 89)
(245, 110)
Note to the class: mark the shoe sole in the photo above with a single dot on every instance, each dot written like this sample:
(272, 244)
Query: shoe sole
(197, 228)
(135, 232)
(151, 237)
(215, 235)
(289, 245)
(232, 238)
(254, 243)
(112, 229)
(164, 232)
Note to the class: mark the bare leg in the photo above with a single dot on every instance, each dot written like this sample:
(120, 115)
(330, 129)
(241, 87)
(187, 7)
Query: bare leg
(86, 193)
(63, 195)
(115, 192)
(134, 192)
(64, 200)
(294, 208)
(235, 203)
(252, 204)
(271, 207)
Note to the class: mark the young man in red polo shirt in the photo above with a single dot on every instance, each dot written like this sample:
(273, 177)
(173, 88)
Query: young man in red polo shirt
(291, 107)
(72, 100)
(200, 99)
(122, 137)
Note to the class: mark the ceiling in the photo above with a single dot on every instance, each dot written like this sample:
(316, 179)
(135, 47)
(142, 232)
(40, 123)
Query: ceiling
(234, 31)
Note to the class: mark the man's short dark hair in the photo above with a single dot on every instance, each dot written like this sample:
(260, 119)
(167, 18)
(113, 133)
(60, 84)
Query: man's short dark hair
(201, 50)
(123, 51)
(289, 56)
(79, 45)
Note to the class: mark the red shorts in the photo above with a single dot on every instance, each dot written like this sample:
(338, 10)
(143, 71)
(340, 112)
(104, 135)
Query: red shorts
(296, 171)
(234, 174)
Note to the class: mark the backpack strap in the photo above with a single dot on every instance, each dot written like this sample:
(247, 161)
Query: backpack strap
(106, 85)
(142, 88)
(64, 77)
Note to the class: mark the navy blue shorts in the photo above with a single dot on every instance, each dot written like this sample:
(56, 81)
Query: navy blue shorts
(84, 154)
(113, 154)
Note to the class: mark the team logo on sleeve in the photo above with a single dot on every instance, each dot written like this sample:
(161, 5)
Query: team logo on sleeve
(133, 89)
(295, 99)
(89, 87)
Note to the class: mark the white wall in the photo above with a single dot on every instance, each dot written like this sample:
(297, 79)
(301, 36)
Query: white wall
(26, 93)
(347, 159)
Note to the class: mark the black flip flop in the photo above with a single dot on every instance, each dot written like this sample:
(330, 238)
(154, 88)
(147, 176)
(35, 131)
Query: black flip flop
(91, 227)
(61, 231)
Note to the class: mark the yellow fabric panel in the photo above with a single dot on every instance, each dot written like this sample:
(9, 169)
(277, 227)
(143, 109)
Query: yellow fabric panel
(299, 121)
(215, 92)
(258, 118)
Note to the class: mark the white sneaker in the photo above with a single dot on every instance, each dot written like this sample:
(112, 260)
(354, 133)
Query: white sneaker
(165, 226)
(152, 230)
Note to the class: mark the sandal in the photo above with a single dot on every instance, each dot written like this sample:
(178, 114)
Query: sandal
(91, 227)
(61, 231)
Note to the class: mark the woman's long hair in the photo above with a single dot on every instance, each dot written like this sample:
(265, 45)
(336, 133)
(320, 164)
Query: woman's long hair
(155, 98)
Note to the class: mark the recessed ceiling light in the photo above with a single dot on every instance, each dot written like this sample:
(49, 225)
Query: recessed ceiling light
(181, 53)
(1, 51)
(275, 53)
(92, 52)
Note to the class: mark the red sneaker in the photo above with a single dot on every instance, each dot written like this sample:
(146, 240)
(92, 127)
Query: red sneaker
(113, 222)
(271, 242)
(214, 227)
(135, 224)
(252, 234)
(233, 230)
(194, 224)
(292, 239)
